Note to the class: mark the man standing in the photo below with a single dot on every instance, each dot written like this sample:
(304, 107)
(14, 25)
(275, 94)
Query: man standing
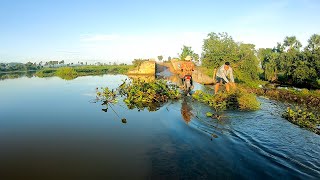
(221, 77)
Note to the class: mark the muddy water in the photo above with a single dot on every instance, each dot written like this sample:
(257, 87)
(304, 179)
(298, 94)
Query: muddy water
(51, 129)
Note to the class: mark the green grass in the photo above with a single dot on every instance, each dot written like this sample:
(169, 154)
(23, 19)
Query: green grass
(73, 72)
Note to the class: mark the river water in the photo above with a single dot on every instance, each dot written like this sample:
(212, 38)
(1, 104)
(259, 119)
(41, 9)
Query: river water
(53, 129)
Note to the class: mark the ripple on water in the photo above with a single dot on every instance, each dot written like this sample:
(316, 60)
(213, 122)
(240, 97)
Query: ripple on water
(283, 144)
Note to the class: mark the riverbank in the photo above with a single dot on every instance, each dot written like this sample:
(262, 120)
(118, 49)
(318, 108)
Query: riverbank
(85, 70)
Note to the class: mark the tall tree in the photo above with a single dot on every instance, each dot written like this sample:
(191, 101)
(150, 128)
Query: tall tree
(291, 42)
(160, 58)
(313, 42)
(186, 51)
(219, 48)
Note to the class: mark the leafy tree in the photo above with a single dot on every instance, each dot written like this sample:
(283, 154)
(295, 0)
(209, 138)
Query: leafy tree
(270, 67)
(196, 57)
(246, 68)
(291, 42)
(160, 58)
(169, 58)
(219, 48)
(303, 73)
(313, 43)
(264, 56)
(186, 51)
(138, 62)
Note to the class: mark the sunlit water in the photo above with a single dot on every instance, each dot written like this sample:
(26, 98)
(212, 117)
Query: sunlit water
(50, 128)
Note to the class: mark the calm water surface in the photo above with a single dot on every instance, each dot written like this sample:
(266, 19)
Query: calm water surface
(52, 129)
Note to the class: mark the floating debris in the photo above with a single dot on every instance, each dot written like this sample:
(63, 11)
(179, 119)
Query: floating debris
(124, 120)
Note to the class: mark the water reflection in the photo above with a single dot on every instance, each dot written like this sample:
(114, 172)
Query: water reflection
(146, 78)
(59, 135)
(67, 77)
(15, 75)
(186, 110)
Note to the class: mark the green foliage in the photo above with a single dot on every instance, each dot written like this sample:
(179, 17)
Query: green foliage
(248, 102)
(12, 67)
(66, 73)
(138, 62)
(238, 99)
(291, 42)
(187, 51)
(220, 48)
(209, 114)
(107, 95)
(268, 59)
(84, 71)
(160, 58)
(140, 94)
(300, 68)
(98, 70)
(218, 103)
(46, 72)
(303, 118)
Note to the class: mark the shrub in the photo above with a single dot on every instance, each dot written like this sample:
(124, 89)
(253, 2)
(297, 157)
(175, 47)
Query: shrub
(66, 73)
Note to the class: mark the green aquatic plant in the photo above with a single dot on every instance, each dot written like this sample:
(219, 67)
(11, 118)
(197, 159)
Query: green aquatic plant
(107, 95)
(237, 100)
(141, 94)
(303, 118)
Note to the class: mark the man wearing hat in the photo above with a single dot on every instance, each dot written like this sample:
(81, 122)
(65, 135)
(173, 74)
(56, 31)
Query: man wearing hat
(187, 67)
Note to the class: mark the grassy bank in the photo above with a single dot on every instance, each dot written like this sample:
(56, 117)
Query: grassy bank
(73, 72)
(307, 98)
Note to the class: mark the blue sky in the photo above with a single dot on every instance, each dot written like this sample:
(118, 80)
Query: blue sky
(121, 30)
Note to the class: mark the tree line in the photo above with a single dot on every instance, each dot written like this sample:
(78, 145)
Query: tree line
(286, 63)
(29, 66)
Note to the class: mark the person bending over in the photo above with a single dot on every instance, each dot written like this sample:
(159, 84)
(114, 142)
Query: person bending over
(221, 77)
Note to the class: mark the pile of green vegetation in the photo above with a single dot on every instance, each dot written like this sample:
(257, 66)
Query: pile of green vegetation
(303, 118)
(307, 98)
(141, 94)
(73, 72)
(236, 100)
(66, 73)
